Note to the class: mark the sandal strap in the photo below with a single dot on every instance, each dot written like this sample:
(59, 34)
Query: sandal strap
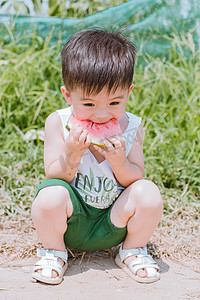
(144, 262)
(49, 253)
(47, 265)
(49, 262)
(125, 253)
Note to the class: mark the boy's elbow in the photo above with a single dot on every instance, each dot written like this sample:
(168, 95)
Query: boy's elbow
(48, 174)
(51, 174)
(142, 173)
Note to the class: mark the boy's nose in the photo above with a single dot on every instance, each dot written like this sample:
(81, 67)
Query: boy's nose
(101, 116)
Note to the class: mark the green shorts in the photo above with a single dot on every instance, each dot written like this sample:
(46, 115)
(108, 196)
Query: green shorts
(89, 228)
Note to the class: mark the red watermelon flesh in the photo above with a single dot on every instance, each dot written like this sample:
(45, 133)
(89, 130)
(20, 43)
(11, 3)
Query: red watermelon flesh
(97, 131)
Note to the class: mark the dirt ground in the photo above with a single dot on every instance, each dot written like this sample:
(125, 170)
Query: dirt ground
(91, 275)
(97, 277)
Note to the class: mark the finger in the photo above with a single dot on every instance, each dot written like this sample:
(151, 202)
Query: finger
(83, 136)
(116, 143)
(75, 132)
(122, 141)
(88, 140)
(108, 144)
(110, 149)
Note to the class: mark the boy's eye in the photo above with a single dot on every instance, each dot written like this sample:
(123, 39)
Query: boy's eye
(114, 103)
(88, 104)
(91, 104)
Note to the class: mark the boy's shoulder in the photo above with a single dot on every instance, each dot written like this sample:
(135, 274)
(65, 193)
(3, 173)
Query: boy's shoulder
(133, 120)
(57, 121)
(52, 123)
(54, 117)
(131, 114)
(67, 111)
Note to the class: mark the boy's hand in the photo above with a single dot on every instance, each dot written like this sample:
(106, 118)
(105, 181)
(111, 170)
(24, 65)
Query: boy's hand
(114, 152)
(77, 141)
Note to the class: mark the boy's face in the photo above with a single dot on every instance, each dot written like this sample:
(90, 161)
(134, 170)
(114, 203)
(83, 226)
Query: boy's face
(98, 108)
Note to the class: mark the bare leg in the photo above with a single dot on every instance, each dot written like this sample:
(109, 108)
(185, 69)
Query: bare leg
(140, 208)
(50, 211)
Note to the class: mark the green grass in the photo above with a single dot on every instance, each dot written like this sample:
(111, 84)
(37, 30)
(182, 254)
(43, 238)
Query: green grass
(78, 9)
(166, 96)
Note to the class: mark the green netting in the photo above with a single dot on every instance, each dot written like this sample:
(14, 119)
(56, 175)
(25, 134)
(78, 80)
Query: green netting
(148, 23)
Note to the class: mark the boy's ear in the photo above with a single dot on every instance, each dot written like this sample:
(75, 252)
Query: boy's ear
(66, 94)
(130, 89)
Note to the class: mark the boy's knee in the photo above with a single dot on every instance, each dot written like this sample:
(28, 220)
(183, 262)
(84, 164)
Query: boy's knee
(49, 199)
(147, 194)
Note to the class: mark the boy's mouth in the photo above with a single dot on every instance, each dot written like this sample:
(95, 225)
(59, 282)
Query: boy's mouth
(113, 119)
(103, 122)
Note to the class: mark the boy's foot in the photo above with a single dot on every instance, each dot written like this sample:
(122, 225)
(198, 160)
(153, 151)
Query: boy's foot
(138, 264)
(51, 267)
(54, 273)
(141, 272)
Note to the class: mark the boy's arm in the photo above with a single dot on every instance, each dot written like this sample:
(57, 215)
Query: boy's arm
(133, 167)
(58, 161)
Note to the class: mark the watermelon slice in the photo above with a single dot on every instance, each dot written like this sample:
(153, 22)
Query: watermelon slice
(97, 131)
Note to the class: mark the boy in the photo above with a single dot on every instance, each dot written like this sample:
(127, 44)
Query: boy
(95, 198)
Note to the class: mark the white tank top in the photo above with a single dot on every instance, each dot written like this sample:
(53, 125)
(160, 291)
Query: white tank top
(95, 181)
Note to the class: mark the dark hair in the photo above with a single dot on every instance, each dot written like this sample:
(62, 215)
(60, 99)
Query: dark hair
(94, 58)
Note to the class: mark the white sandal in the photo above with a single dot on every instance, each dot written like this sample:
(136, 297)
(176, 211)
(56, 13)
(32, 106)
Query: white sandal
(142, 261)
(48, 263)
